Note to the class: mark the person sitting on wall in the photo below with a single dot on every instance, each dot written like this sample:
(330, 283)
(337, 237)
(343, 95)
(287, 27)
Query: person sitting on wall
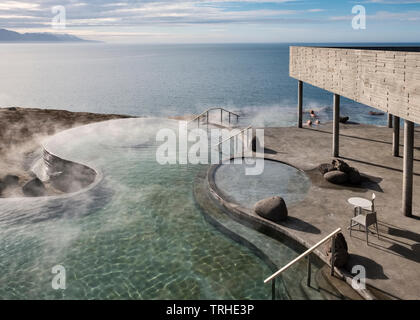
(313, 114)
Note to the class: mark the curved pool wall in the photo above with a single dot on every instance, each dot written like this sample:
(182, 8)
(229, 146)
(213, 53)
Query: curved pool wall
(272, 247)
(277, 179)
(248, 216)
(135, 233)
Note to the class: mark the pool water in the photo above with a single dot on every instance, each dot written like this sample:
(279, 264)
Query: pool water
(137, 234)
(277, 179)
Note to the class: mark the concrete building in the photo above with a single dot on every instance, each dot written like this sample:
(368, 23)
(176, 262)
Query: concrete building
(387, 79)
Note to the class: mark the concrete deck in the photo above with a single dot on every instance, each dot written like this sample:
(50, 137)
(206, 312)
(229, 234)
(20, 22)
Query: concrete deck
(393, 262)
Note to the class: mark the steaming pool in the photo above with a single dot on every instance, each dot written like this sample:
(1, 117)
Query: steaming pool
(136, 233)
(276, 179)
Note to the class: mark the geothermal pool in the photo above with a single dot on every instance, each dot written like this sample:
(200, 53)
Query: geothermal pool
(277, 179)
(137, 233)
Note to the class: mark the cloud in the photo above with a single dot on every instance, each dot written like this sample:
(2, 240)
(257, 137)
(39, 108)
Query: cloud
(392, 1)
(384, 16)
(18, 5)
(186, 17)
(158, 12)
(316, 10)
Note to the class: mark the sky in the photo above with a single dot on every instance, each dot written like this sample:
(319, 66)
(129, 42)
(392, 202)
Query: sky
(216, 21)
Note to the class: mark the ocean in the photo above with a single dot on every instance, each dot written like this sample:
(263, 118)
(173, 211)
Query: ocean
(163, 80)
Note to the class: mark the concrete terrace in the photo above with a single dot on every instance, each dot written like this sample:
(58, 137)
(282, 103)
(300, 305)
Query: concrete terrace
(386, 78)
(393, 262)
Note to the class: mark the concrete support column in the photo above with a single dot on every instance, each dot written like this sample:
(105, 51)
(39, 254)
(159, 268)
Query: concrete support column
(389, 120)
(407, 195)
(336, 126)
(396, 137)
(300, 111)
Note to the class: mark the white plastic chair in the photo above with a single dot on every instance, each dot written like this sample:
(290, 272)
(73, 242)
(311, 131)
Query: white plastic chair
(366, 218)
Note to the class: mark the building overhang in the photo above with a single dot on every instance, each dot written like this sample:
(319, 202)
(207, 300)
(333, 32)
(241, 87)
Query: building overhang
(386, 78)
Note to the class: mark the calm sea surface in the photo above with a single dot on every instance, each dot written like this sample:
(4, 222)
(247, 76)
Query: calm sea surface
(162, 80)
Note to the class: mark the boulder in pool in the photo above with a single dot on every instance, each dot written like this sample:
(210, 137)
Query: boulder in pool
(326, 167)
(336, 177)
(340, 165)
(273, 209)
(34, 188)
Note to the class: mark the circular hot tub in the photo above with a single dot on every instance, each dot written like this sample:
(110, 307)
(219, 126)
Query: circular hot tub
(276, 179)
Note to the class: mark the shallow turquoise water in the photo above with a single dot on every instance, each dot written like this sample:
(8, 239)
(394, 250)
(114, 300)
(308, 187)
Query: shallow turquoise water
(277, 179)
(137, 235)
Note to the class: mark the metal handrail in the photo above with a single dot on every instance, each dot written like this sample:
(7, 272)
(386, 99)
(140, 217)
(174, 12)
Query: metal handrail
(247, 128)
(306, 253)
(214, 108)
(287, 266)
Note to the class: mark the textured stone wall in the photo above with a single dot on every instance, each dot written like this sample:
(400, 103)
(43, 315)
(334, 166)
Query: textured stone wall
(386, 80)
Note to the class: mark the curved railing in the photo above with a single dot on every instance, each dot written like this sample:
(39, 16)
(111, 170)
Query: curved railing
(207, 113)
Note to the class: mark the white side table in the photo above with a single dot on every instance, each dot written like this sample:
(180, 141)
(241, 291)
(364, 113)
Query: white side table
(362, 203)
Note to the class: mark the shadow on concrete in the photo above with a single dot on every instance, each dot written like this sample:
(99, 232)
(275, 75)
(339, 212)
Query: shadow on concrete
(352, 123)
(392, 245)
(367, 183)
(376, 165)
(373, 269)
(412, 253)
(269, 151)
(415, 217)
(414, 159)
(300, 225)
(410, 235)
(352, 137)
(371, 183)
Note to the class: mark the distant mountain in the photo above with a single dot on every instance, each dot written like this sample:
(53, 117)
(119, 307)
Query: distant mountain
(12, 36)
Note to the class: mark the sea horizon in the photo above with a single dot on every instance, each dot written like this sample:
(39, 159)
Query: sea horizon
(166, 80)
(210, 154)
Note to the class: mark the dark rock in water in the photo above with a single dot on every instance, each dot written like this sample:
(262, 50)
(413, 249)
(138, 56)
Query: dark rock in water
(273, 209)
(326, 167)
(12, 109)
(34, 188)
(340, 165)
(255, 144)
(354, 176)
(336, 177)
(341, 254)
(11, 180)
(344, 119)
(2, 186)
